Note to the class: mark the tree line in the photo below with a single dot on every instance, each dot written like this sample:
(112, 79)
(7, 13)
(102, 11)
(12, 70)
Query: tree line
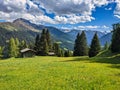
(44, 45)
(81, 47)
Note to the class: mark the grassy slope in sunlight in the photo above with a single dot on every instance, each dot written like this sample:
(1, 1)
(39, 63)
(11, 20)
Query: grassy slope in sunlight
(56, 73)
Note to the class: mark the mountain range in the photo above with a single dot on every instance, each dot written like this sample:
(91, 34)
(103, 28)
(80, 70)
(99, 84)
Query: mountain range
(25, 30)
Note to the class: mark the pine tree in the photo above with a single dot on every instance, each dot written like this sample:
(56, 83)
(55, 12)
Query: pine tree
(37, 44)
(67, 53)
(48, 39)
(23, 45)
(106, 46)
(76, 46)
(12, 48)
(62, 53)
(1, 51)
(95, 46)
(56, 48)
(115, 45)
(17, 42)
(81, 48)
(17, 47)
(83, 45)
(45, 49)
(43, 43)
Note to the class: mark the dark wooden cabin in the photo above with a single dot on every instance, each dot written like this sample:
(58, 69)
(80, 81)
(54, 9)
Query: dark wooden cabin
(27, 52)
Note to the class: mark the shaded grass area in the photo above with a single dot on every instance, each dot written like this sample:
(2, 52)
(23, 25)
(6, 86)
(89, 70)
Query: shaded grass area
(59, 73)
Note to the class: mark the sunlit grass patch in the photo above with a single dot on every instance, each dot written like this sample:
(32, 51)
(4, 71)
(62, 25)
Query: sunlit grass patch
(59, 73)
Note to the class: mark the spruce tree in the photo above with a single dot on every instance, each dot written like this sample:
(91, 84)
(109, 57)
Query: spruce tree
(95, 46)
(76, 46)
(115, 45)
(43, 43)
(81, 48)
(12, 48)
(62, 53)
(83, 45)
(37, 44)
(17, 47)
(23, 45)
(56, 49)
(48, 39)
(106, 46)
(17, 42)
(67, 53)
(1, 51)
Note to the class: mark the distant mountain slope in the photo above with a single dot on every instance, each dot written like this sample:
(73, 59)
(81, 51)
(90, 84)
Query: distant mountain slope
(8, 30)
(106, 38)
(89, 34)
(25, 30)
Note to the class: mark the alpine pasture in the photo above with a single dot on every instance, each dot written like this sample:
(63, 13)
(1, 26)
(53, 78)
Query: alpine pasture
(60, 73)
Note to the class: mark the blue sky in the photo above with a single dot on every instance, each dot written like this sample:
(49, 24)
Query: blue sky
(64, 14)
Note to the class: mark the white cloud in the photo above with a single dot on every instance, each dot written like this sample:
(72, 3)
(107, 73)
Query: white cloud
(12, 5)
(73, 19)
(100, 2)
(92, 27)
(118, 16)
(88, 27)
(35, 19)
(33, 8)
(117, 9)
(13, 9)
(72, 11)
(64, 7)
(44, 19)
(105, 27)
(66, 11)
(108, 8)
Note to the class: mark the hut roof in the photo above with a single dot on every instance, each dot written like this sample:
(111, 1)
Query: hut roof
(26, 49)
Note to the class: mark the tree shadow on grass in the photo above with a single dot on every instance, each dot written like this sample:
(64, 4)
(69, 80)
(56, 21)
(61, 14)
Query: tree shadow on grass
(113, 60)
(109, 60)
(115, 66)
(78, 59)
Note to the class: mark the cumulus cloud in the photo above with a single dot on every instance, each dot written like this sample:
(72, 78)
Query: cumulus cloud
(117, 9)
(64, 7)
(72, 11)
(73, 19)
(65, 11)
(13, 9)
(12, 5)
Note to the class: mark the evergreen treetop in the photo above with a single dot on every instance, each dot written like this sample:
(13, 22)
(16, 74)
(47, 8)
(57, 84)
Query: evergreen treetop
(115, 45)
(80, 47)
(95, 46)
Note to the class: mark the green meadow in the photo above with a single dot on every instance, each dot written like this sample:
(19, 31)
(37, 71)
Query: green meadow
(60, 73)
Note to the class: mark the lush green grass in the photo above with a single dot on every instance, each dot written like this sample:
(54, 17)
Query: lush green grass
(54, 73)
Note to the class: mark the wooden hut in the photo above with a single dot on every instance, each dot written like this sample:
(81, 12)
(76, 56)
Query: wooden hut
(51, 53)
(27, 52)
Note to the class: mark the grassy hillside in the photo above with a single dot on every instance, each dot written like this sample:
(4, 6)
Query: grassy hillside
(28, 31)
(55, 73)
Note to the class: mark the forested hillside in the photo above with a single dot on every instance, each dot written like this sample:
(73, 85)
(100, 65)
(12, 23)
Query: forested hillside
(25, 30)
